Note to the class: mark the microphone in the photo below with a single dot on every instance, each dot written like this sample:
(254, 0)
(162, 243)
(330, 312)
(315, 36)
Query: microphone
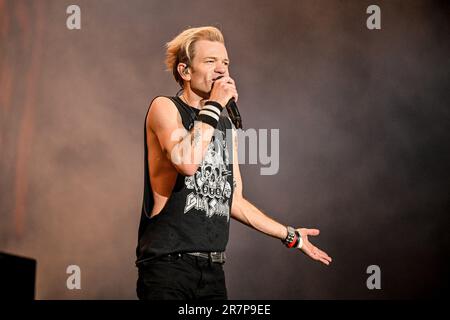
(233, 111)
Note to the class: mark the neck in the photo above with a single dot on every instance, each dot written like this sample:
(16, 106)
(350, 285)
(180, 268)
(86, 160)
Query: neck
(192, 99)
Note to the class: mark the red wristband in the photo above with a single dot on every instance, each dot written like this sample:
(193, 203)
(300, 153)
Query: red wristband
(293, 242)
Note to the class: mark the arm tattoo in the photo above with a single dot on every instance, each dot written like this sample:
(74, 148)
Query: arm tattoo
(195, 137)
(234, 183)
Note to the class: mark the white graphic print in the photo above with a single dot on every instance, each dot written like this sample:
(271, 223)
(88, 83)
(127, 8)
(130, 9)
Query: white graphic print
(212, 191)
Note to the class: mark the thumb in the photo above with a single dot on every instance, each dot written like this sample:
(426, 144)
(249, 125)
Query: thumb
(312, 232)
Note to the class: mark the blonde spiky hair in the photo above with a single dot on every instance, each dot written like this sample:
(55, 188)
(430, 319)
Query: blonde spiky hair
(181, 48)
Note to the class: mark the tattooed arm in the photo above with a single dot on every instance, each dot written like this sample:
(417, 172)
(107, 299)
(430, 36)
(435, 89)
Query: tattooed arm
(185, 149)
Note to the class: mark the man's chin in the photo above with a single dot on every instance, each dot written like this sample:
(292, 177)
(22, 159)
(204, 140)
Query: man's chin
(201, 93)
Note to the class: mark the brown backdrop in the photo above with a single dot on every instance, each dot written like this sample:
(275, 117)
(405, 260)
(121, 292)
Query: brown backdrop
(364, 128)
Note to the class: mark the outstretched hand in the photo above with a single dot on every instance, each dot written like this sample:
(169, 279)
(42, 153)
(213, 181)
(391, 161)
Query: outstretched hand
(309, 249)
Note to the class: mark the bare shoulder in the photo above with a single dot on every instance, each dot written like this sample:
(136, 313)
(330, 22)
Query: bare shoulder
(163, 114)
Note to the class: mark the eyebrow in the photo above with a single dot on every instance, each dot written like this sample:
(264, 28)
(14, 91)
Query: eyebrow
(215, 58)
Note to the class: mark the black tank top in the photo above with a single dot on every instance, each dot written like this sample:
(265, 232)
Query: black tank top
(196, 216)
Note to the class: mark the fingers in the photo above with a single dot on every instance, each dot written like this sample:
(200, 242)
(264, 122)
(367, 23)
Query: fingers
(235, 96)
(322, 253)
(223, 90)
(324, 257)
(311, 250)
(226, 79)
(309, 232)
(312, 232)
(319, 257)
(317, 254)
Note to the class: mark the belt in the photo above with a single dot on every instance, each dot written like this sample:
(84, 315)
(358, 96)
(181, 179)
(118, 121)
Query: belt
(215, 257)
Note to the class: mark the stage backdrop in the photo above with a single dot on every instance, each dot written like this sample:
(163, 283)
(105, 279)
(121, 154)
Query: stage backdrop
(363, 123)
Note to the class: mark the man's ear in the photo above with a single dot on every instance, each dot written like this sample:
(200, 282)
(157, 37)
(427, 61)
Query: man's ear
(183, 70)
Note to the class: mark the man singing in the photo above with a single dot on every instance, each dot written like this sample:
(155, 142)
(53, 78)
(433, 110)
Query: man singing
(192, 182)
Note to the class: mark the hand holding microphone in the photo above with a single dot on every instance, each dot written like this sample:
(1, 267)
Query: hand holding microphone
(224, 92)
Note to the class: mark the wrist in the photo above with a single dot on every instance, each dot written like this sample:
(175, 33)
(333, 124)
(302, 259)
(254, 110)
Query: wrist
(222, 102)
(293, 238)
(214, 103)
(283, 233)
(210, 113)
(290, 238)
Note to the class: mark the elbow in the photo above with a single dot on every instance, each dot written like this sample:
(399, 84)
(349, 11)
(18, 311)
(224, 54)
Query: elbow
(187, 170)
(184, 167)
(236, 204)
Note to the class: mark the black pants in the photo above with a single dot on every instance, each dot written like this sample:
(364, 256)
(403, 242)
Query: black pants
(181, 277)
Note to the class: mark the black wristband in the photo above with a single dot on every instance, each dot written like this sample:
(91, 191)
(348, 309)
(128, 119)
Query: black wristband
(210, 113)
(214, 103)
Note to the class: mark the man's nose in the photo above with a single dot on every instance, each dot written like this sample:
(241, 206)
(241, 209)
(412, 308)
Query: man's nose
(220, 68)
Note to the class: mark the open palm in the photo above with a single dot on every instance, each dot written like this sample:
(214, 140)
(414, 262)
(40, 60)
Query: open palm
(309, 249)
